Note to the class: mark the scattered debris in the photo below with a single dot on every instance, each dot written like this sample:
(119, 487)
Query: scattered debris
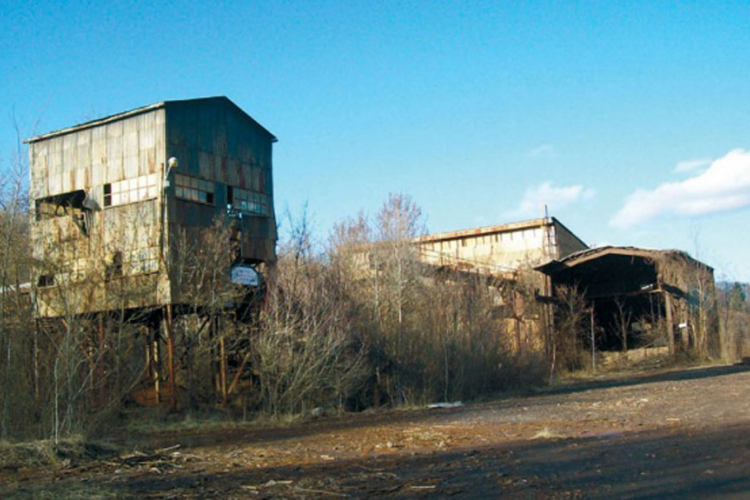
(455, 404)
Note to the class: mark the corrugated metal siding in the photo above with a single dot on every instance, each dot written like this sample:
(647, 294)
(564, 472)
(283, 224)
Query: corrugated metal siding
(86, 160)
(216, 141)
(212, 139)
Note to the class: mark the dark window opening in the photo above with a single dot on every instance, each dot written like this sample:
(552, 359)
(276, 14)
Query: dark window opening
(46, 280)
(61, 205)
(230, 195)
(108, 195)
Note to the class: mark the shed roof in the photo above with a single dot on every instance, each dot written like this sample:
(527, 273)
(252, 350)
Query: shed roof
(143, 109)
(502, 228)
(577, 258)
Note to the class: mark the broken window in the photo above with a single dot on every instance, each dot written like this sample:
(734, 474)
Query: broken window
(61, 205)
(247, 201)
(194, 189)
(46, 280)
(76, 205)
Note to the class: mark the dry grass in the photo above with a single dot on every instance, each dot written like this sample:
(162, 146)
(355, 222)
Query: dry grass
(45, 453)
(547, 433)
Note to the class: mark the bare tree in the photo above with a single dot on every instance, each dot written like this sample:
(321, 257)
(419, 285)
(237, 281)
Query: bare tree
(623, 319)
(13, 208)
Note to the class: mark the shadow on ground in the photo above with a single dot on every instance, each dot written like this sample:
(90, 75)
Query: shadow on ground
(629, 380)
(699, 464)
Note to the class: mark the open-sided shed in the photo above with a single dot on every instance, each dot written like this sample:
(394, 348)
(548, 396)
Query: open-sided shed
(640, 297)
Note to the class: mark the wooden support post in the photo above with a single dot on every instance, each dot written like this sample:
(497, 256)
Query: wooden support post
(593, 341)
(670, 321)
(223, 372)
(170, 351)
(688, 325)
(100, 369)
(518, 335)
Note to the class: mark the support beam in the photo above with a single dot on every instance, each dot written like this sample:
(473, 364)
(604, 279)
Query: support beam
(223, 372)
(170, 351)
(101, 362)
(156, 360)
(239, 373)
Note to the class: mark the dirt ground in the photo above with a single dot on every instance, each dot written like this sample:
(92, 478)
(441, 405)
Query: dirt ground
(671, 435)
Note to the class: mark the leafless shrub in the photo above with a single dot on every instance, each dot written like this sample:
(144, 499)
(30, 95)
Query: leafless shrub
(306, 352)
(571, 315)
(734, 314)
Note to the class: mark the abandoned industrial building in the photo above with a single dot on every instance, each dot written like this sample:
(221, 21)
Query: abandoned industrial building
(117, 202)
(636, 297)
(132, 215)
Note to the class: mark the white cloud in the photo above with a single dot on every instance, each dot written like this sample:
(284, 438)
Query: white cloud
(544, 152)
(725, 185)
(556, 198)
(691, 165)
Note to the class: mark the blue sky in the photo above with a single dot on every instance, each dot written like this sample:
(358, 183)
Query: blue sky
(631, 121)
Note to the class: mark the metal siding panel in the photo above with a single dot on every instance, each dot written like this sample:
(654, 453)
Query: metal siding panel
(130, 166)
(55, 156)
(81, 179)
(97, 175)
(146, 161)
(99, 154)
(70, 144)
(114, 171)
(204, 166)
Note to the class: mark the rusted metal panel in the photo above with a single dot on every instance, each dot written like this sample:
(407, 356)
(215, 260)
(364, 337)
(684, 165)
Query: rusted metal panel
(217, 142)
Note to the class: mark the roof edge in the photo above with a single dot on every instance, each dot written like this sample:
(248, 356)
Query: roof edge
(480, 231)
(96, 122)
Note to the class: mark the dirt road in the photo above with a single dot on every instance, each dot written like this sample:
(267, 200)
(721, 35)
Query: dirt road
(674, 435)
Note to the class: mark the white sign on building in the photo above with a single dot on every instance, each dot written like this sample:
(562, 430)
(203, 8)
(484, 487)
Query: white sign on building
(245, 275)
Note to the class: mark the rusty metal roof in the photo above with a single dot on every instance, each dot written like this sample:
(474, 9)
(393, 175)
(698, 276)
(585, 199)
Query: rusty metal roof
(137, 111)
